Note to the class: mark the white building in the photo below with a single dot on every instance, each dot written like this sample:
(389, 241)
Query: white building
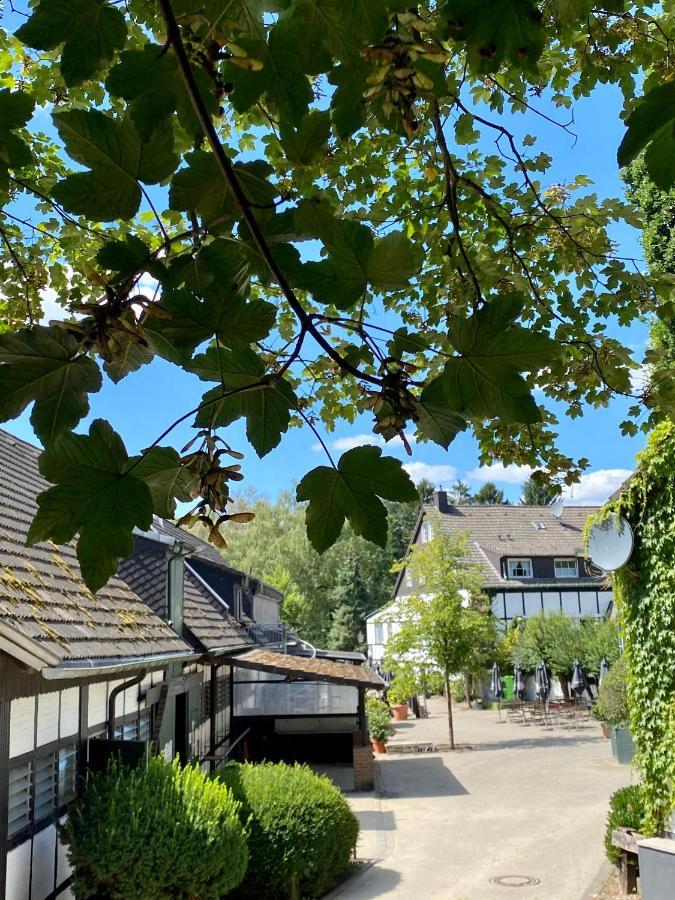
(531, 560)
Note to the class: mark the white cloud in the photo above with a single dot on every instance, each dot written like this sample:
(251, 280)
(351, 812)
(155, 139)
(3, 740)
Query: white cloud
(596, 487)
(348, 442)
(640, 379)
(501, 474)
(439, 475)
(51, 310)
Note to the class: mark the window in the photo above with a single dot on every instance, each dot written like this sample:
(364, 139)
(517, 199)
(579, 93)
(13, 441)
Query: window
(566, 568)
(519, 568)
(408, 578)
(426, 532)
(379, 633)
(40, 786)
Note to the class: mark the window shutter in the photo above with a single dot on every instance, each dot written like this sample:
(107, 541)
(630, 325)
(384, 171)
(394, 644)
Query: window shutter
(45, 787)
(19, 798)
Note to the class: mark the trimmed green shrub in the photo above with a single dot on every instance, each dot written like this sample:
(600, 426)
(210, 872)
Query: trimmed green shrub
(612, 705)
(626, 810)
(155, 832)
(378, 715)
(301, 830)
(458, 690)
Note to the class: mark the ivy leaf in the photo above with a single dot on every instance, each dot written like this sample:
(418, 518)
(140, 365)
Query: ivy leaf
(202, 187)
(118, 160)
(43, 365)
(496, 31)
(15, 111)
(90, 31)
(95, 494)
(652, 125)
(484, 379)
(438, 421)
(352, 491)
(168, 479)
(267, 409)
(309, 142)
(149, 79)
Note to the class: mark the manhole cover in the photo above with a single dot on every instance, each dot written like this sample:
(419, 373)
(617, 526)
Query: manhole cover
(515, 881)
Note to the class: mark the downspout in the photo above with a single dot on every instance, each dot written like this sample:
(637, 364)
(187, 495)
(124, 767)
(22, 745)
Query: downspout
(113, 698)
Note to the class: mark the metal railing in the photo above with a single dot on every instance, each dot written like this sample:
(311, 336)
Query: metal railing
(279, 638)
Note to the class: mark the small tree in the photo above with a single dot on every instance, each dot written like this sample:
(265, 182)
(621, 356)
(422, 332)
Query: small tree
(444, 627)
(535, 493)
(489, 495)
(553, 638)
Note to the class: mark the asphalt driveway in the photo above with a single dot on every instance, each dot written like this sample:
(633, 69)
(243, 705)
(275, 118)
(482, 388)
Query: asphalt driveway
(525, 803)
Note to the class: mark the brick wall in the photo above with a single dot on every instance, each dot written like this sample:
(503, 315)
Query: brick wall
(364, 767)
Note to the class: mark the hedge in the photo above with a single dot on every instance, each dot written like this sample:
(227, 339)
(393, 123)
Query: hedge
(627, 810)
(157, 831)
(302, 832)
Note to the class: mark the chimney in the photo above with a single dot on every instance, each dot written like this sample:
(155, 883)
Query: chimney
(441, 501)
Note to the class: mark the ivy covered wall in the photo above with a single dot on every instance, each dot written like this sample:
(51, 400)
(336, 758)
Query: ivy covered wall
(645, 593)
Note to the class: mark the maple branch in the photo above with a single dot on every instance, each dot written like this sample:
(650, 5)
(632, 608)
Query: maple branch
(227, 170)
(24, 275)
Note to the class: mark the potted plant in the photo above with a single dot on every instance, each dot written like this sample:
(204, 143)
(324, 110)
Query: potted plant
(379, 724)
(598, 714)
(402, 689)
(613, 710)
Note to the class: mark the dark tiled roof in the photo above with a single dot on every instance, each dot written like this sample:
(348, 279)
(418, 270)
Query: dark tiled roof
(496, 532)
(313, 669)
(42, 595)
(203, 616)
(203, 550)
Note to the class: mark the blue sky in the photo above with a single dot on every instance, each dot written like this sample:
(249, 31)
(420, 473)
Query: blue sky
(144, 403)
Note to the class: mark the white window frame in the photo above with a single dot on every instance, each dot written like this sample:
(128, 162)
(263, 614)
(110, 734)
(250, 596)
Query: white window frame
(516, 562)
(566, 559)
(426, 532)
(379, 633)
(408, 578)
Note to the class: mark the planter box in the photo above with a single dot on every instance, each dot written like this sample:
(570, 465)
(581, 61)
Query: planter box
(657, 868)
(623, 747)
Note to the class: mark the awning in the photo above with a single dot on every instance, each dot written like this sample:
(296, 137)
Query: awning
(310, 669)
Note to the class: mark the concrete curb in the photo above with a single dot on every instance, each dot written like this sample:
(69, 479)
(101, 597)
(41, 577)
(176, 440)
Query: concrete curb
(599, 881)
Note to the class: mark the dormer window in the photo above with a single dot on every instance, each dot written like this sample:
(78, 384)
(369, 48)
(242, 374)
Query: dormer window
(426, 532)
(566, 568)
(519, 568)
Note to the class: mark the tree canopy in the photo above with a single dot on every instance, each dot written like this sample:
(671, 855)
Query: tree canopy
(319, 208)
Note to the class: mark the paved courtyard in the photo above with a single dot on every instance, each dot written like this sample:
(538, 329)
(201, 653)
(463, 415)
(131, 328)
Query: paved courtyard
(525, 801)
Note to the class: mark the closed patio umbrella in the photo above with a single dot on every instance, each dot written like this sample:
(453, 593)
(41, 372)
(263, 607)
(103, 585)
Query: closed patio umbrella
(518, 682)
(578, 679)
(496, 686)
(542, 681)
(604, 669)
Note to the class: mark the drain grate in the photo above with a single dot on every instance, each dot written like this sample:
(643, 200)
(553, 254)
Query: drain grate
(515, 881)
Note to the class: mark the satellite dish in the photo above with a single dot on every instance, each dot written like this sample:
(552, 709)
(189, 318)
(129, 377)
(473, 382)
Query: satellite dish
(610, 543)
(557, 507)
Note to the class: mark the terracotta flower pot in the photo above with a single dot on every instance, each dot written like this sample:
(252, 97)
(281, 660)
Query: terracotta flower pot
(605, 729)
(400, 711)
(378, 746)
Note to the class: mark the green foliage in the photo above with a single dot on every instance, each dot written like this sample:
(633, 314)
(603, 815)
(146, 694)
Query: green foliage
(352, 491)
(489, 495)
(323, 252)
(612, 705)
(156, 831)
(626, 810)
(553, 637)
(598, 640)
(535, 493)
(645, 593)
(443, 629)
(379, 719)
(458, 690)
(404, 685)
(301, 831)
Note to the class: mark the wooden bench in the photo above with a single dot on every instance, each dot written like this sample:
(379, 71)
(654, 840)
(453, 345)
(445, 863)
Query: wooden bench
(626, 840)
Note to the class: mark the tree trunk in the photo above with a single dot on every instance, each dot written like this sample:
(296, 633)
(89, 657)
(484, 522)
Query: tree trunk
(564, 685)
(451, 730)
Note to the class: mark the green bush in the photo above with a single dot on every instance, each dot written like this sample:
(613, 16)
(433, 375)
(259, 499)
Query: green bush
(627, 810)
(458, 690)
(379, 719)
(302, 832)
(155, 832)
(403, 687)
(612, 705)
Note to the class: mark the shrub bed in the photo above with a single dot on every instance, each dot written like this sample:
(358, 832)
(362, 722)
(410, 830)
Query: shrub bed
(154, 832)
(301, 830)
(626, 810)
